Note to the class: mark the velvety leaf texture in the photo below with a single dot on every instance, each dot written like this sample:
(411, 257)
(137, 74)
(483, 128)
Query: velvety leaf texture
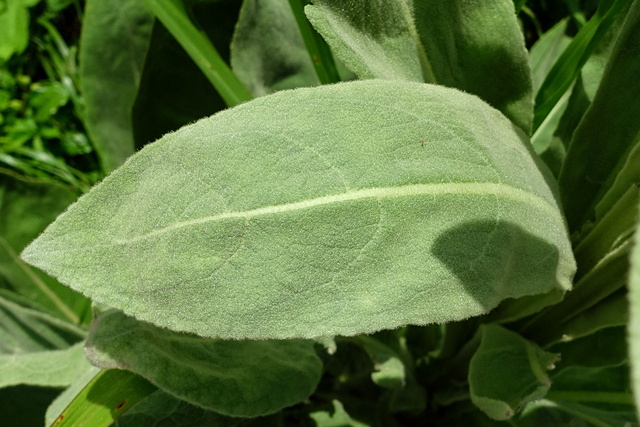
(475, 46)
(335, 210)
(237, 378)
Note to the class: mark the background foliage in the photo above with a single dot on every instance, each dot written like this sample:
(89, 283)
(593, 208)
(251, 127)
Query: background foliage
(85, 84)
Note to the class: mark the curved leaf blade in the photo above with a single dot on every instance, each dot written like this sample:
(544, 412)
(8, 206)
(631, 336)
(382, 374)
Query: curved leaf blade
(335, 210)
(236, 378)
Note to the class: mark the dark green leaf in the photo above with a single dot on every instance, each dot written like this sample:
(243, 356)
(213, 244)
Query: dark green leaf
(236, 378)
(267, 51)
(115, 38)
(25, 210)
(161, 409)
(173, 91)
(612, 117)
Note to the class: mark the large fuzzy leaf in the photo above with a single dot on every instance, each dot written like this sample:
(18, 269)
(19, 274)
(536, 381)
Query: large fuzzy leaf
(475, 46)
(341, 209)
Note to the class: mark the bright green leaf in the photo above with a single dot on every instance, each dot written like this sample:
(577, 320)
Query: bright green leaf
(296, 225)
(14, 21)
(104, 396)
(507, 372)
(115, 38)
(418, 41)
(46, 98)
(236, 378)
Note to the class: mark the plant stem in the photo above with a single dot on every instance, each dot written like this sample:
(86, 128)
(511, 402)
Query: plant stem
(318, 49)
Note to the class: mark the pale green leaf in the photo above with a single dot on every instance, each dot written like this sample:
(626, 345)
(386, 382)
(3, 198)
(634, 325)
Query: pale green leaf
(507, 372)
(267, 51)
(236, 378)
(335, 210)
(55, 368)
(473, 46)
(115, 38)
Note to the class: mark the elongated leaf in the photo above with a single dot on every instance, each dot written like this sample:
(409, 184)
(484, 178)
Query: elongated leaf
(567, 68)
(544, 53)
(174, 17)
(115, 38)
(507, 372)
(335, 210)
(104, 397)
(267, 50)
(473, 46)
(612, 117)
(237, 378)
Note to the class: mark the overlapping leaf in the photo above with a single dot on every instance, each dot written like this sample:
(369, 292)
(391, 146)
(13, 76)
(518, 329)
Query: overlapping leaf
(237, 378)
(473, 46)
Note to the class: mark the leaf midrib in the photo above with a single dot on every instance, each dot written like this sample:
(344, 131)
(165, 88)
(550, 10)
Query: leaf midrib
(496, 189)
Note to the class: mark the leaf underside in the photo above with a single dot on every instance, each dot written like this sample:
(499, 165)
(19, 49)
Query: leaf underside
(336, 210)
